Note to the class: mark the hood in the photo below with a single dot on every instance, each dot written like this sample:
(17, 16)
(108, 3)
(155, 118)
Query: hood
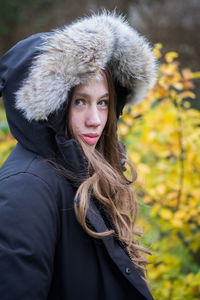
(38, 73)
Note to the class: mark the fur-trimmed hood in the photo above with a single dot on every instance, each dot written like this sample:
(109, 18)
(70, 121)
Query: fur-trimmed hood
(38, 73)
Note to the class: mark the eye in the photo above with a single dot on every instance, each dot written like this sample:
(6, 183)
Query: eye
(103, 103)
(78, 102)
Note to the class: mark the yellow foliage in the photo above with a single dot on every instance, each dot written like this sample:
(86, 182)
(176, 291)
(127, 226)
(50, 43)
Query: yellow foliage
(124, 129)
(7, 142)
(157, 51)
(5, 147)
(165, 213)
(170, 56)
(164, 145)
(187, 94)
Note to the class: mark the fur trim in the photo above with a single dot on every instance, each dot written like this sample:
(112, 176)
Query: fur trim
(76, 53)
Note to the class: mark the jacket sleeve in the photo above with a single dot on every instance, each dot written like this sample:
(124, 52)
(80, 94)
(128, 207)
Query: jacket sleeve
(28, 234)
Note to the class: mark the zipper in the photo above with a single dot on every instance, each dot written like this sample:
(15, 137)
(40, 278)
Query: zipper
(123, 245)
(109, 223)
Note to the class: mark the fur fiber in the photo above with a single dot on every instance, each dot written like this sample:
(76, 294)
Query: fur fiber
(76, 53)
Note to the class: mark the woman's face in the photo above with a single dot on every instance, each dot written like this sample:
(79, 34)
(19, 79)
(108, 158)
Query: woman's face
(88, 111)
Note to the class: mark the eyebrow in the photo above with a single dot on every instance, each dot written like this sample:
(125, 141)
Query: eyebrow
(88, 96)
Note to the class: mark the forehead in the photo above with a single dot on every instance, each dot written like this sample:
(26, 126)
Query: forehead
(93, 86)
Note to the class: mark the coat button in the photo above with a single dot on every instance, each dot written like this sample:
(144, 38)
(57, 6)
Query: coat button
(128, 270)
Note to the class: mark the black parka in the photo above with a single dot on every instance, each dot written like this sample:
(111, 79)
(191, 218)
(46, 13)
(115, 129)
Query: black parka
(44, 251)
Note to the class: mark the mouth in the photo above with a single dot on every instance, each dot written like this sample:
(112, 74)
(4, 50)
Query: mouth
(90, 138)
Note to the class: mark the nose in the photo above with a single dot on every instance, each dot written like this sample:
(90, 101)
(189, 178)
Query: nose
(93, 118)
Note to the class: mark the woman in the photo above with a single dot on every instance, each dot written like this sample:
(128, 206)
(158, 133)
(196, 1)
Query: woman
(67, 212)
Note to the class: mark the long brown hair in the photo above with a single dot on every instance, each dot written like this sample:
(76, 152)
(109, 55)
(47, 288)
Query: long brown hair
(110, 187)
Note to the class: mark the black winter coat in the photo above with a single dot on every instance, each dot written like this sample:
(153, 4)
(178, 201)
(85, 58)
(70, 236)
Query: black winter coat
(44, 252)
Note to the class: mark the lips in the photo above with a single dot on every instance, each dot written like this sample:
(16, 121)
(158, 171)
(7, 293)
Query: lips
(90, 138)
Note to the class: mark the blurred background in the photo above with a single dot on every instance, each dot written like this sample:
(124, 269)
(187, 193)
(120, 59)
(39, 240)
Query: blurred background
(174, 23)
(162, 134)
